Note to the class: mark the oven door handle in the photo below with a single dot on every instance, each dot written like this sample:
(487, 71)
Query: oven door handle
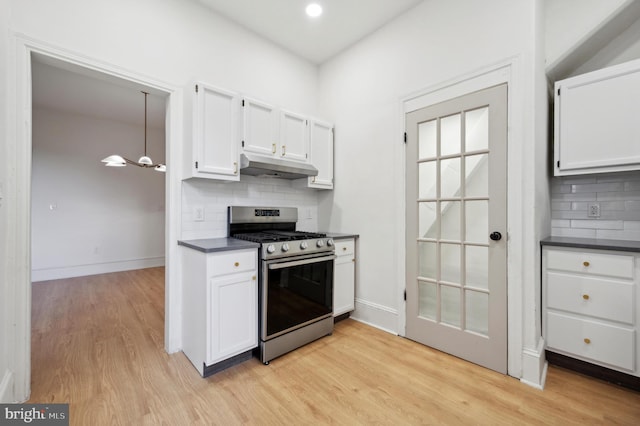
(301, 262)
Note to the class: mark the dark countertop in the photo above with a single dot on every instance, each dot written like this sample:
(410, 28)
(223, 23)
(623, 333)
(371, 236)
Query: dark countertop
(210, 245)
(339, 236)
(592, 243)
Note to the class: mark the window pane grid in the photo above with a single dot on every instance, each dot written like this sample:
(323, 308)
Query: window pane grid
(443, 200)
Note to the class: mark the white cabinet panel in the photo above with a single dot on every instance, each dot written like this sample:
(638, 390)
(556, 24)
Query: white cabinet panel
(233, 321)
(321, 150)
(344, 277)
(260, 127)
(214, 145)
(590, 306)
(601, 298)
(294, 135)
(220, 307)
(596, 123)
(587, 262)
(605, 343)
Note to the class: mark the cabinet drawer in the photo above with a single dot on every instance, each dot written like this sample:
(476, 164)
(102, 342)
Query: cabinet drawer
(590, 263)
(593, 296)
(592, 340)
(345, 247)
(232, 261)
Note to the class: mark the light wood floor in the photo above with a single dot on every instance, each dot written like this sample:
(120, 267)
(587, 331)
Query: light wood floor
(97, 343)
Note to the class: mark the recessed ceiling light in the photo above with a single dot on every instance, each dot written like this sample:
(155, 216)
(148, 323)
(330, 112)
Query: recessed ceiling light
(314, 10)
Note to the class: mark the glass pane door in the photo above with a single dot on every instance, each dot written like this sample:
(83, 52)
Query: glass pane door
(453, 224)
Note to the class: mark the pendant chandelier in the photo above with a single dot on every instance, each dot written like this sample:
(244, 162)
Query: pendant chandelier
(144, 161)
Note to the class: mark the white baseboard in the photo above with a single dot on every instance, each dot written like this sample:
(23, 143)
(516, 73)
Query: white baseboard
(97, 268)
(376, 315)
(534, 366)
(6, 386)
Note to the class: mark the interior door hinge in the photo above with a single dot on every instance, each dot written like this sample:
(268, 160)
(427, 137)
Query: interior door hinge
(558, 163)
(196, 164)
(405, 141)
(196, 88)
(405, 295)
(558, 91)
(243, 144)
(243, 102)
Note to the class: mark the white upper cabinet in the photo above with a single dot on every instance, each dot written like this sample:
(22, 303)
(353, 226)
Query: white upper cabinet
(597, 125)
(294, 135)
(321, 154)
(215, 139)
(260, 127)
(274, 132)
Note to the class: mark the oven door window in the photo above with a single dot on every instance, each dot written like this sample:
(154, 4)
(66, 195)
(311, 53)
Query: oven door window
(298, 294)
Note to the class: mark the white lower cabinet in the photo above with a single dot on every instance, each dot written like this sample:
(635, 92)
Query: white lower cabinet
(344, 277)
(590, 306)
(220, 307)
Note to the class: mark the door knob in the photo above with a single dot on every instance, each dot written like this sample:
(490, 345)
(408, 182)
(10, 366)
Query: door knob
(495, 236)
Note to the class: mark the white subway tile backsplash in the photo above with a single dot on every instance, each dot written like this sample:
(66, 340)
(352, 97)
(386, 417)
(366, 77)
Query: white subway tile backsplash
(561, 205)
(618, 195)
(217, 196)
(571, 232)
(598, 187)
(597, 224)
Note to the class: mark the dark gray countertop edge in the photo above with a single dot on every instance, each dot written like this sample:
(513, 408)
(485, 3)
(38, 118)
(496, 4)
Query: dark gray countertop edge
(210, 245)
(339, 236)
(592, 243)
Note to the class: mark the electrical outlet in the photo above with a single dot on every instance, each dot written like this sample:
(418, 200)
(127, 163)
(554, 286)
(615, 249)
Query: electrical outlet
(199, 214)
(593, 210)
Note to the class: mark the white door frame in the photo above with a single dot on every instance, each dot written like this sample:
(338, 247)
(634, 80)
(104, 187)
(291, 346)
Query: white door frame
(19, 145)
(507, 71)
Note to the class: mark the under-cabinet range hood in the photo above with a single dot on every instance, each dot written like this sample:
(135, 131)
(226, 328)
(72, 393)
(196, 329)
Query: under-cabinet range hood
(257, 165)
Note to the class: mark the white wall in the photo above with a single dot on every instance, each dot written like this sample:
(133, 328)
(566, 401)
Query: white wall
(361, 90)
(568, 22)
(168, 41)
(87, 218)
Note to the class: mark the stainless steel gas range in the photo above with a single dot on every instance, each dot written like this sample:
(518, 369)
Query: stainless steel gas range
(295, 277)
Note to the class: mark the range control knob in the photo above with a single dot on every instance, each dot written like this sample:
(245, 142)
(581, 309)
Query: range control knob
(271, 248)
(303, 245)
(285, 247)
(329, 242)
(320, 243)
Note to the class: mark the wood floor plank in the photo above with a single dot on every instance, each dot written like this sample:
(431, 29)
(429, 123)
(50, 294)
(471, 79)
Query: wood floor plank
(97, 343)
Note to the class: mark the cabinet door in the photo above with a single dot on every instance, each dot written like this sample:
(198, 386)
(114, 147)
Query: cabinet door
(321, 154)
(344, 278)
(260, 127)
(216, 152)
(294, 135)
(233, 316)
(597, 129)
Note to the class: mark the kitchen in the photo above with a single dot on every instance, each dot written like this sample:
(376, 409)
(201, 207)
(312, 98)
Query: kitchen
(360, 93)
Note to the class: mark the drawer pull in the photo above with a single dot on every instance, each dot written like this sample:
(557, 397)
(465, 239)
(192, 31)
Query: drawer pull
(253, 278)
(344, 249)
(585, 263)
(585, 296)
(587, 340)
(236, 264)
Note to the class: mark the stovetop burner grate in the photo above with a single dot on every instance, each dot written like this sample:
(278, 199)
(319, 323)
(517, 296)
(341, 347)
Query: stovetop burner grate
(276, 236)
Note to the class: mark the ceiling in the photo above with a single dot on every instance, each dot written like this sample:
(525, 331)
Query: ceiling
(71, 88)
(285, 23)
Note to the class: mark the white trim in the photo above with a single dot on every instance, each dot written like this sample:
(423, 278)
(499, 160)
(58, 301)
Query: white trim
(506, 71)
(5, 388)
(375, 315)
(534, 366)
(46, 274)
(19, 188)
